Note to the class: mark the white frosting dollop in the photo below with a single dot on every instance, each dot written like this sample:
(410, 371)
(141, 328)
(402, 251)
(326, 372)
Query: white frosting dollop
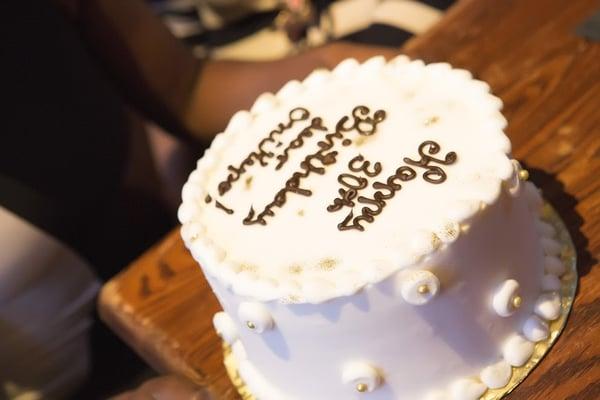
(513, 183)
(467, 389)
(545, 229)
(496, 375)
(255, 316)
(507, 299)
(263, 103)
(554, 265)
(551, 247)
(551, 283)
(535, 329)
(362, 375)
(547, 306)
(417, 286)
(225, 327)
(517, 350)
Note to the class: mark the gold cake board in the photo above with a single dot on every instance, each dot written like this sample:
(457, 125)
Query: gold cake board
(569, 286)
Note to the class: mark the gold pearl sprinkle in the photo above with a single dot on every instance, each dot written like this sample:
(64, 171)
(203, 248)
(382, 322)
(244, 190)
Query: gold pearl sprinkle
(362, 387)
(423, 289)
(250, 325)
(431, 120)
(517, 301)
(523, 174)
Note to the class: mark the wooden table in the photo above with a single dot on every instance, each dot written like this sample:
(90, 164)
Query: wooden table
(549, 80)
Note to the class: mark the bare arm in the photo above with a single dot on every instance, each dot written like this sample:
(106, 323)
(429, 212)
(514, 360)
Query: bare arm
(166, 82)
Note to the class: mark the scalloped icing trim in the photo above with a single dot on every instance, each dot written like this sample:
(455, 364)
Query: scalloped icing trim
(487, 187)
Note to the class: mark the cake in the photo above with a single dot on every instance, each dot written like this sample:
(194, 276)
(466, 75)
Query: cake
(369, 236)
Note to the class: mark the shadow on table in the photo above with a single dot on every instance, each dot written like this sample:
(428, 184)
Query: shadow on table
(565, 203)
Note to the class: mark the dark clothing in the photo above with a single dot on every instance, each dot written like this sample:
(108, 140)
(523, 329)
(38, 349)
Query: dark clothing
(64, 141)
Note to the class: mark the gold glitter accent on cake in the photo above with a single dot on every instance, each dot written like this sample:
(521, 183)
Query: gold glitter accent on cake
(250, 325)
(423, 289)
(327, 264)
(291, 299)
(450, 231)
(523, 174)
(361, 140)
(248, 182)
(362, 387)
(436, 242)
(295, 269)
(517, 301)
(432, 120)
(547, 212)
(566, 253)
(301, 213)
(567, 291)
(247, 268)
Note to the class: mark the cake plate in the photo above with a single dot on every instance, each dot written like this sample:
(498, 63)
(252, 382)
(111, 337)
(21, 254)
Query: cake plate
(568, 288)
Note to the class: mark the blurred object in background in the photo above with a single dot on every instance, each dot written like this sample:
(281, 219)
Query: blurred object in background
(295, 19)
(259, 30)
(271, 29)
(47, 294)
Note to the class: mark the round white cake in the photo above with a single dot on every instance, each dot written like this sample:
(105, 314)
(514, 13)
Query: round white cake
(369, 237)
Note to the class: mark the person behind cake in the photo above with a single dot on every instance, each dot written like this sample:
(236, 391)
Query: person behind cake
(68, 80)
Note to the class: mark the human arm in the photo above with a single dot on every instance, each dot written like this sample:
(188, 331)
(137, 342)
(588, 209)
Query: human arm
(162, 78)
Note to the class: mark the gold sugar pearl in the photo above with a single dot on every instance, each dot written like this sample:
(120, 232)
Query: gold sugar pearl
(423, 289)
(250, 325)
(517, 301)
(362, 387)
(523, 174)
(431, 120)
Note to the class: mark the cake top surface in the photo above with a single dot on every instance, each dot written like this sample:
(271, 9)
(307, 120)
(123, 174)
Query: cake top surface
(336, 182)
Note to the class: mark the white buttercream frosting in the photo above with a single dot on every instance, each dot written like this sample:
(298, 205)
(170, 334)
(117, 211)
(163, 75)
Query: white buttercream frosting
(417, 286)
(361, 375)
(517, 350)
(506, 298)
(225, 327)
(467, 389)
(496, 375)
(535, 329)
(548, 306)
(255, 316)
(408, 104)
(451, 269)
(554, 265)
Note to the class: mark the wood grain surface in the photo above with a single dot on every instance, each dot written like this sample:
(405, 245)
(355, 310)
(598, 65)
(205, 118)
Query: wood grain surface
(549, 80)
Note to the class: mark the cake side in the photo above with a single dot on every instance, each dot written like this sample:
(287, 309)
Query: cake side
(453, 345)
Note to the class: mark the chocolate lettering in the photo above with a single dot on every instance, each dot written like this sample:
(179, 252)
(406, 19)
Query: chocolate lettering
(385, 191)
(364, 166)
(316, 123)
(353, 182)
(220, 206)
(361, 122)
(434, 174)
(365, 123)
(345, 200)
(296, 115)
